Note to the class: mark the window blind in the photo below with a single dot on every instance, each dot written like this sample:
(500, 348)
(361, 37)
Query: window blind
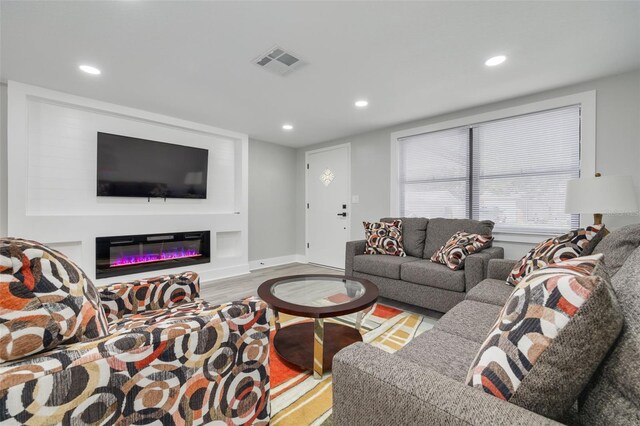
(521, 166)
(434, 174)
(513, 171)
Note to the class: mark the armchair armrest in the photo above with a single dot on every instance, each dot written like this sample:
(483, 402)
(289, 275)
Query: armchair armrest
(354, 248)
(161, 292)
(372, 387)
(476, 265)
(185, 352)
(499, 269)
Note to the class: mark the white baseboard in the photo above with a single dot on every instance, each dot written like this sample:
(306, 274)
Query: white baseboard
(228, 272)
(205, 274)
(276, 261)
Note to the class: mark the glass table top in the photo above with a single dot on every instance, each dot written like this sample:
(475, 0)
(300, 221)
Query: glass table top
(318, 291)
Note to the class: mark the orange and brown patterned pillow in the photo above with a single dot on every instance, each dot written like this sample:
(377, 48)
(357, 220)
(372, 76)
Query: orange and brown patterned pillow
(551, 335)
(460, 245)
(557, 249)
(384, 238)
(45, 300)
(163, 292)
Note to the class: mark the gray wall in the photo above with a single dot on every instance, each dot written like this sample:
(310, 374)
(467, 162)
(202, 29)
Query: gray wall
(272, 195)
(3, 159)
(617, 151)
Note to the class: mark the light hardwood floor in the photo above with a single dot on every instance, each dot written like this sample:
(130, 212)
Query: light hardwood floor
(236, 288)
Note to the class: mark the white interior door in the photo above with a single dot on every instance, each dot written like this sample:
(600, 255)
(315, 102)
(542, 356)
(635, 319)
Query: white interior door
(328, 180)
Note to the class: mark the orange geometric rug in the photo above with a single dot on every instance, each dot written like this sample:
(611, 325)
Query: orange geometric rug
(297, 399)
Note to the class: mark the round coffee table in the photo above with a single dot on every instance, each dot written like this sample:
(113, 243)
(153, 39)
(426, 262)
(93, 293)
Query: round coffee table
(317, 297)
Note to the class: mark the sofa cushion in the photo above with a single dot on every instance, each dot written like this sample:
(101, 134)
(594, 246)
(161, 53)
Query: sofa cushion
(613, 395)
(432, 274)
(550, 337)
(384, 238)
(618, 246)
(489, 290)
(414, 232)
(445, 353)
(211, 340)
(553, 250)
(439, 230)
(45, 300)
(454, 252)
(470, 320)
(381, 266)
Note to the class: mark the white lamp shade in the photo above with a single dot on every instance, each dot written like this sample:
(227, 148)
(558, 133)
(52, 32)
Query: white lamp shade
(604, 194)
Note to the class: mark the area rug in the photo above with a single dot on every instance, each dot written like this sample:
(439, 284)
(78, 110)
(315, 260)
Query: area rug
(297, 399)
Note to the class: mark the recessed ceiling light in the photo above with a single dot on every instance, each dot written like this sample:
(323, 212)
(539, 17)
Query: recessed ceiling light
(89, 69)
(496, 60)
(287, 127)
(361, 103)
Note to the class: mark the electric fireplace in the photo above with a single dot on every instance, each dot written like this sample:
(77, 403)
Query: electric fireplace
(129, 254)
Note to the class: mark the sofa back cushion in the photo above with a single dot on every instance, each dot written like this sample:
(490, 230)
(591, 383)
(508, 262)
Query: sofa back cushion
(551, 335)
(613, 396)
(45, 300)
(414, 231)
(439, 230)
(618, 246)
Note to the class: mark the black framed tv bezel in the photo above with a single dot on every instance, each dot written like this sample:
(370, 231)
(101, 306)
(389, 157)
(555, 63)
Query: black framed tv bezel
(206, 188)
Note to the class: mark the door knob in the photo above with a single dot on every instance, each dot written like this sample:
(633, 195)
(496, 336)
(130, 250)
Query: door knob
(344, 214)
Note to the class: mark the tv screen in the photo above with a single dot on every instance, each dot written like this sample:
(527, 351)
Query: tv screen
(132, 167)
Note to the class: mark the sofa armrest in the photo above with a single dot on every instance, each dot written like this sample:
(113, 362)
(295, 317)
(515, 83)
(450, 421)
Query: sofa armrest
(188, 350)
(499, 269)
(161, 292)
(476, 265)
(354, 248)
(372, 387)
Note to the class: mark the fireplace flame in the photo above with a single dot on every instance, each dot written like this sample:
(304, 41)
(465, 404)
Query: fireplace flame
(154, 257)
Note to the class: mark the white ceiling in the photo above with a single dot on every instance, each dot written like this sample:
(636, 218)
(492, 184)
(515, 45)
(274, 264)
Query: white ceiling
(410, 60)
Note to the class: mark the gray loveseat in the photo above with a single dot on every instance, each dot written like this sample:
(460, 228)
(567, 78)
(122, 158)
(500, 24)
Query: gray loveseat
(423, 383)
(415, 279)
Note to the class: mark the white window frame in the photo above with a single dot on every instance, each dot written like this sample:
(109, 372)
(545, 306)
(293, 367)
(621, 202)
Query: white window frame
(587, 103)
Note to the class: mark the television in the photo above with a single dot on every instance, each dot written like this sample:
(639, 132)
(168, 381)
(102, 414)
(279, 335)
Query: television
(133, 167)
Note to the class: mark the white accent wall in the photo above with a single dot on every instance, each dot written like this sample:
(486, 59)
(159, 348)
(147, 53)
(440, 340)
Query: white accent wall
(51, 192)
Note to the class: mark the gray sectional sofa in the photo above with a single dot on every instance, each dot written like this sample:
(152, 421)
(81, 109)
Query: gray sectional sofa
(415, 279)
(424, 382)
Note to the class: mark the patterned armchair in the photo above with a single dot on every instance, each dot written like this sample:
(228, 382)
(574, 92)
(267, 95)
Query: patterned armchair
(134, 353)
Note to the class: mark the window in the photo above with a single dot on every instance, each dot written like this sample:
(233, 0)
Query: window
(512, 171)
(434, 174)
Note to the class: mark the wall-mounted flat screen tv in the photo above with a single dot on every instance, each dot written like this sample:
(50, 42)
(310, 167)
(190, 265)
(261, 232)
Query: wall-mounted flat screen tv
(132, 167)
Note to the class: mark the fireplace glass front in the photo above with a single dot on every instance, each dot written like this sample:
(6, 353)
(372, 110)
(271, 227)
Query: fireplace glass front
(122, 255)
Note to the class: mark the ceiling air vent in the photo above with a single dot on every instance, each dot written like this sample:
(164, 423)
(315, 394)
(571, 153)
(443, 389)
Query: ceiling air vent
(278, 61)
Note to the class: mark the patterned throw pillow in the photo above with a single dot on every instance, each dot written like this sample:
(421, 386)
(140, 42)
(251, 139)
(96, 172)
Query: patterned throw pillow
(460, 245)
(554, 250)
(45, 300)
(550, 337)
(163, 292)
(384, 238)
